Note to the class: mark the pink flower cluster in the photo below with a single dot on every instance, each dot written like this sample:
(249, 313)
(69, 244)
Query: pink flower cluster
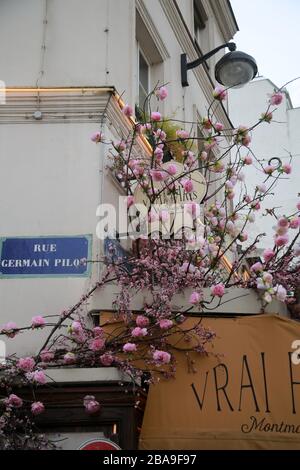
(97, 344)
(195, 298)
(10, 329)
(13, 401)
(127, 111)
(268, 254)
(69, 358)
(47, 356)
(97, 137)
(142, 321)
(165, 324)
(220, 93)
(283, 225)
(161, 357)
(242, 136)
(107, 359)
(38, 377)
(161, 93)
(218, 290)
(91, 405)
(276, 98)
(26, 364)
(138, 332)
(155, 116)
(37, 408)
(182, 134)
(38, 322)
(129, 347)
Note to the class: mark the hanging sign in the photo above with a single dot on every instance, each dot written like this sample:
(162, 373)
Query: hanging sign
(115, 253)
(170, 211)
(244, 395)
(167, 196)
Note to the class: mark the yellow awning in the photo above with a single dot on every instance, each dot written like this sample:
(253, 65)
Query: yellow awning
(244, 395)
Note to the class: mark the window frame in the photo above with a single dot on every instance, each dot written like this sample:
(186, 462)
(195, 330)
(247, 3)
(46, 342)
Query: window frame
(142, 53)
(200, 23)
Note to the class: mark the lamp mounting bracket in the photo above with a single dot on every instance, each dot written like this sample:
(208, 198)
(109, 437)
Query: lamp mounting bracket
(185, 65)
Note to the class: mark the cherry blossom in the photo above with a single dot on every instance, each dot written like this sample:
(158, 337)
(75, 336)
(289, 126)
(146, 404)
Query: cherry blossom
(161, 93)
(276, 98)
(38, 322)
(92, 406)
(160, 268)
(37, 408)
(218, 290)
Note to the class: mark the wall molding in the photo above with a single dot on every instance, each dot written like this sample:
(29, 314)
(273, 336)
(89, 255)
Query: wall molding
(153, 31)
(225, 18)
(187, 45)
(69, 105)
(57, 105)
(121, 127)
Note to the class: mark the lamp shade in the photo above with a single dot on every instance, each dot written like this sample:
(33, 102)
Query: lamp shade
(235, 69)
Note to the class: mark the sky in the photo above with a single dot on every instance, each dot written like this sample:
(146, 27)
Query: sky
(270, 32)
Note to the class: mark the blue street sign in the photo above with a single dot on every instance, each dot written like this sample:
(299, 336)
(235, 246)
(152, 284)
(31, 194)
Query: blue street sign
(45, 256)
(114, 252)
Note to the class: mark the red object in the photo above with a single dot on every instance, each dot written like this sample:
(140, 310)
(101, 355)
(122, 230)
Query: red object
(99, 444)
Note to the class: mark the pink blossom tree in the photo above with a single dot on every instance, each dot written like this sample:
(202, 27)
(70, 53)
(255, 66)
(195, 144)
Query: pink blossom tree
(208, 259)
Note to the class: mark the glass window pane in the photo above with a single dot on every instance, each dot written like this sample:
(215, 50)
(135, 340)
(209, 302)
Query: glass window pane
(142, 96)
(144, 73)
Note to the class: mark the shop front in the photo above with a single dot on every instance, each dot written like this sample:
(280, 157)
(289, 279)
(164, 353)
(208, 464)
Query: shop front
(67, 424)
(244, 395)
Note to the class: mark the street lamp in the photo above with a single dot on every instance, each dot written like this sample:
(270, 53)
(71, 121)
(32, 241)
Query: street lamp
(234, 69)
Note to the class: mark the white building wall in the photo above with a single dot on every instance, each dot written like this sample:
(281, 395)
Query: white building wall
(294, 135)
(92, 43)
(50, 186)
(278, 139)
(47, 189)
(87, 43)
(53, 177)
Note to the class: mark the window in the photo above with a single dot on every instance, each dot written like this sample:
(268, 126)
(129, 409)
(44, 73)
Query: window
(143, 77)
(149, 70)
(201, 33)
